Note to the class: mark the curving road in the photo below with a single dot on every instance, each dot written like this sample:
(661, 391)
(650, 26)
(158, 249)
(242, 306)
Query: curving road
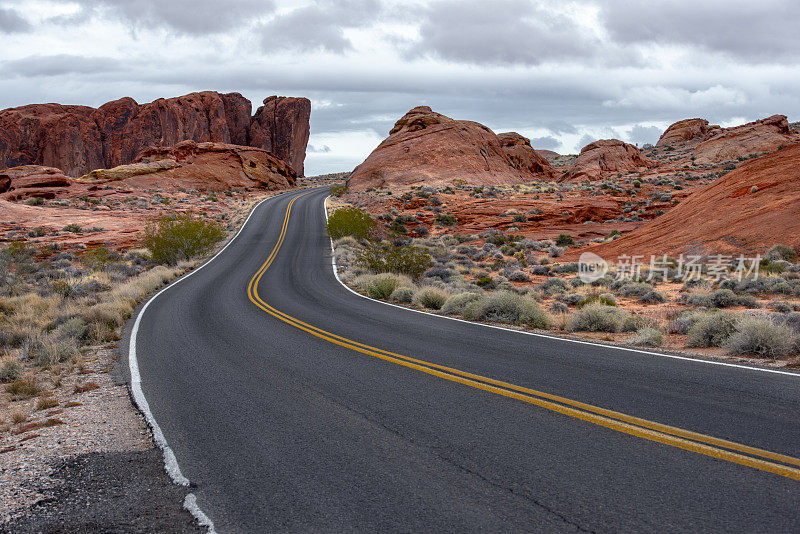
(295, 405)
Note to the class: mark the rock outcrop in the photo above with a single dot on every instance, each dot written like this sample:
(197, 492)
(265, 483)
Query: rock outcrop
(765, 135)
(427, 148)
(79, 139)
(524, 157)
(281, 126)
(604, 158)
(746, 211)
(201, 166)
(19, 183)
(686, 130)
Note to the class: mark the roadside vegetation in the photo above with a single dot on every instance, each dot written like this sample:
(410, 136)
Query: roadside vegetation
(497, 277)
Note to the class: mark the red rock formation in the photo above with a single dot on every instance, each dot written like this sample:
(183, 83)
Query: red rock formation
(604, 158)
(685, 130)
(79, 139)
(202, 166)
(428, 148)
(33, 181)
(281, 126)
(746, 211)
(524, 157)
(765, 135)
(547, 154)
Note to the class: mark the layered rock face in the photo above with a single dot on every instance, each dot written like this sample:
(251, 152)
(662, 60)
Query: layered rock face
(746, 211)
(79, 139)
(281, 126)
(427, 148)
(203, 166)
(765, 135)
(604, 158)
(19, 183)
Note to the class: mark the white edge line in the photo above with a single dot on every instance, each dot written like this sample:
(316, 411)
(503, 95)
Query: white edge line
(537, 334)
(170, 461)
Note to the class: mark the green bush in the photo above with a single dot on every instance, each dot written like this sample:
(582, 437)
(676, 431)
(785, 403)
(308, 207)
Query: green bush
(564, 240)
(431, 298)
(99, 258)
(181, 237)
(388, 258)
(606, 299)
(597, 318)
(403, 294)
(338, 190)
(782, 252)
(648, 337)
(445, 219)
(455, 305)
(711, 329)
(760, 337)
(382, 286)
(10, 370)
(350, 221)
(507, 307)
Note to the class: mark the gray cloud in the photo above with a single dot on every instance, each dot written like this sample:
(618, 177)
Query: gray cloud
(12, 22)
(324, 149)
(195, 17)
(547, 142)
(507, 32)
(764, 30)
(319, 26)
(641, 135)
(58, 65)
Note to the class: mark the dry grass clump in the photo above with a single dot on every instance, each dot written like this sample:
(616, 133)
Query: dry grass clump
(45, 403)
(758, 336)
(23, 388)
(431, 297)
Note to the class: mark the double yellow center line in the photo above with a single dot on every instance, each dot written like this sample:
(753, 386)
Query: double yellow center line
(722, 449)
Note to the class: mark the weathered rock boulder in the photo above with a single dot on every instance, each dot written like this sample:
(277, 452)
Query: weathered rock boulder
(79, 139)
(524, 157)
(281, 126)
(603, 158)
(19, 183)
(201, 166)
(428, 148)
(686, 130)
(765, 135)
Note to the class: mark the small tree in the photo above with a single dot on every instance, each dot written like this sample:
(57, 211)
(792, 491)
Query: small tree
(388, 258)
(181, 237)
(350, 221)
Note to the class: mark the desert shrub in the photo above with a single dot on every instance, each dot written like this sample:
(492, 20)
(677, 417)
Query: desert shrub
(596, 318)
(633, 322)
(634, 289)
(571, 299)
(793, 321)
(647, 337)
(10, 370)
(338, 190)
(403, 294)
(24, 387)
(564, 240)
(760, 337)
(455, 304)
(650, 297)
(603, 298)
(507, 307)
(99, 258)
(181, 237)
(559, 307)
(711, 329)
(553, 285)
(382, 286)
(34, 201)
(431, 298)
(388, 258)
(350, 221)
(347, 241)
(445, 219)
(723, 298)
(519, 276)
(486, 282)
(46, 351)
(781, 252)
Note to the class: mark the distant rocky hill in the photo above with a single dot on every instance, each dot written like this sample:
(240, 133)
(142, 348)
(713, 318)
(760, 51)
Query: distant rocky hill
(79, 139)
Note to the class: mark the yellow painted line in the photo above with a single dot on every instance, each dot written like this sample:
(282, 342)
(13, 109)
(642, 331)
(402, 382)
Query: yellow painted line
(650, 430)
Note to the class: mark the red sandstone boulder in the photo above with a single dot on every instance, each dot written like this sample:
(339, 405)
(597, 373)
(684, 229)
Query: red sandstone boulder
(79, 139)
(604, 158)
(524, 157)
(18, 183)
(686, 130)
(281, 126)
(765, 135)
(425, 147)
(202, 166)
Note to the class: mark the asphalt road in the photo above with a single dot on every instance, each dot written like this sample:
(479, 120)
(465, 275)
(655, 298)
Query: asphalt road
(281, 429)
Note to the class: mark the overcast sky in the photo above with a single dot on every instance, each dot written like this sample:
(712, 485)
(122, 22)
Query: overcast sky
(561, 73)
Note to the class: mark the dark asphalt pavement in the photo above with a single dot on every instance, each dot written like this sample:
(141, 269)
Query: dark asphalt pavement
(284, 431)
